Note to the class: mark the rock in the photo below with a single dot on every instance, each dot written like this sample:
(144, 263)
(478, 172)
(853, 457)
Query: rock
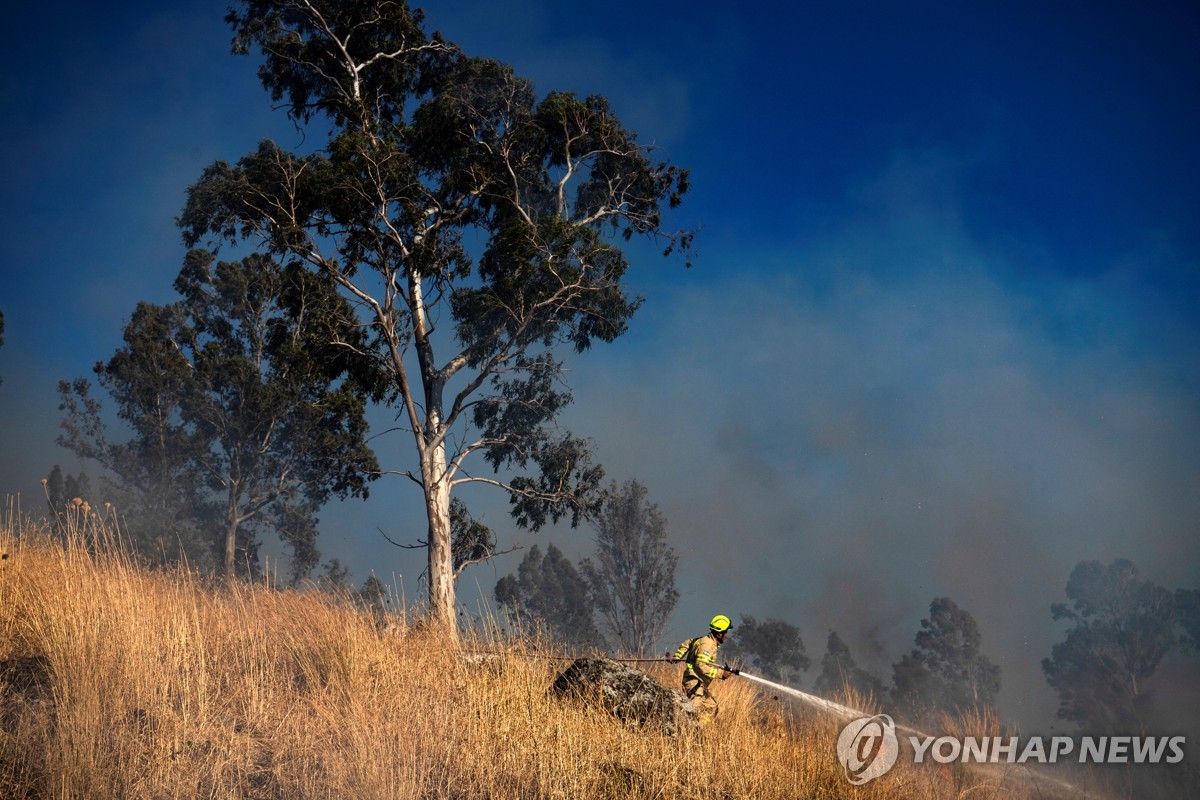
(628, 694)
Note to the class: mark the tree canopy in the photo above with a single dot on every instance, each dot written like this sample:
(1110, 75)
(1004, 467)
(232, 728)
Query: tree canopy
(632, 577)
(474, 227)
(1122, 627)
(548, 591)
(946, 669)
(240, 415)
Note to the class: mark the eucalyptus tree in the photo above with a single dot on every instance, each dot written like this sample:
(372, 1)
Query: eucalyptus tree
(549, 590)
(1122, 628)
(240, 411)
(476, 228)
(946, 669)
(632, 576)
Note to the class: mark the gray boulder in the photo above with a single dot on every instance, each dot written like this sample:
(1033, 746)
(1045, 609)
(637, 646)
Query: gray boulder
(628, 694)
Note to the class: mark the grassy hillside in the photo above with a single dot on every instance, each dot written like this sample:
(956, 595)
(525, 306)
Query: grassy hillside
(122, 681)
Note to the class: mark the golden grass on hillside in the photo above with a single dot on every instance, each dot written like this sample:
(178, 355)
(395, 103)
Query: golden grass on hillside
(120, 681)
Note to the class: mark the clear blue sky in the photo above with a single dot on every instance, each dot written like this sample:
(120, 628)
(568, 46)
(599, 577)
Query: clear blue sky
(941, 336)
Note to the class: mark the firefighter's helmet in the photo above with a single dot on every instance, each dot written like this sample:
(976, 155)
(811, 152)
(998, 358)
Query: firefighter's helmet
(720, 624)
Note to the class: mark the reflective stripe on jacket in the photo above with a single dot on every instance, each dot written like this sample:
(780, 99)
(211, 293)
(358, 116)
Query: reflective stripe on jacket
(701, 657)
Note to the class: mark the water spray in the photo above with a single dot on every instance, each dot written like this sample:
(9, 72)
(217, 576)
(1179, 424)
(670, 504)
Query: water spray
(837, 709)
(845, 712)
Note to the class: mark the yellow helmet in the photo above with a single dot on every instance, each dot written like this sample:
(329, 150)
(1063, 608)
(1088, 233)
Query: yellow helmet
(720, 624)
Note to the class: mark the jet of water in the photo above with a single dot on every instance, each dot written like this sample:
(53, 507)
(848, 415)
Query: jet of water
(848, 713)
(820, 702)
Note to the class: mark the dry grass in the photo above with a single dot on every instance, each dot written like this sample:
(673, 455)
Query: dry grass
(122, 681)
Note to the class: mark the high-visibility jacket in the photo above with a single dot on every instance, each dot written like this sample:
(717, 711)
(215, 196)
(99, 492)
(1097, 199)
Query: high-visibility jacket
(701, 657)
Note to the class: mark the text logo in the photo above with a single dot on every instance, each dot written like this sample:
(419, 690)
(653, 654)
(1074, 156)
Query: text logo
(1090, 749)
(867, 748)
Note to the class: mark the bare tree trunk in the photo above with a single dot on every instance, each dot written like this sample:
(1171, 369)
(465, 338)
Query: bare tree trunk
(441, 565)
(231, 531)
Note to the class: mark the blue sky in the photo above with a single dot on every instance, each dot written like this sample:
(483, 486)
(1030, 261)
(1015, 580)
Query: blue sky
(941, 335)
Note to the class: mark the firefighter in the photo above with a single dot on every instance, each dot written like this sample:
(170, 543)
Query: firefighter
(700, 655)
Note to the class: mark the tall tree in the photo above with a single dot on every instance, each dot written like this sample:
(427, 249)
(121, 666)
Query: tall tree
(840, 672)
(237, 391)
(946, 669)
(773, 646)
(1122, 629)
(549, 590)
(475, 227)
(632, 578)
(148, 477)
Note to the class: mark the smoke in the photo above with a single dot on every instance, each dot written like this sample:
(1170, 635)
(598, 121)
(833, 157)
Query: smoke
(901, 412)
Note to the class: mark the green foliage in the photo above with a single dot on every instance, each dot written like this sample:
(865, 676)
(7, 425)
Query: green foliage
(1122, 629)
(474, 229)
(471, 541)
(839, 672)
(549, 591)
(946, 670)
(632, 578)
(773, 647)
(241, 420)
(304, 72)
